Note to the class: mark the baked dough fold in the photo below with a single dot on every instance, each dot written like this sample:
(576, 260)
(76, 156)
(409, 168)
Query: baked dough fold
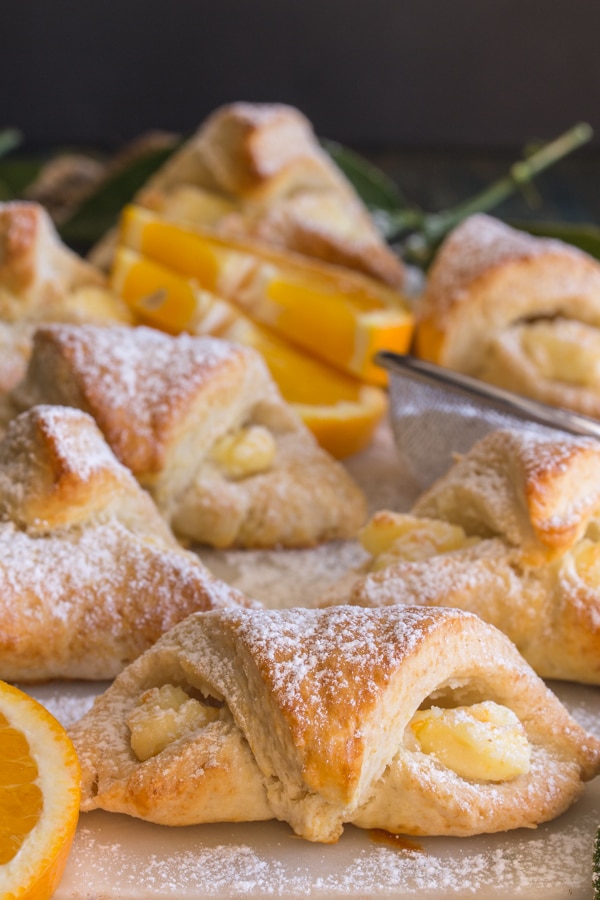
(201, 424)
(90, 574)
(42, 280)
(519, 311)
(257, 171)
(512, 533)
(308, 722)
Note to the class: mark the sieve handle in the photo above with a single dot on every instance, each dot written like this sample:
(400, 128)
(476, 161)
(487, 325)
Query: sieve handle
(489, 395)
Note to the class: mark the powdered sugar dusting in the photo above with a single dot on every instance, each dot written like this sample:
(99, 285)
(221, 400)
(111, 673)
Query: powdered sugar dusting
(281, 579)
(234, 861)
(83, 604)
(477, 245)
(138, 375)
(285, 578)
(118, 858)
(280, 641)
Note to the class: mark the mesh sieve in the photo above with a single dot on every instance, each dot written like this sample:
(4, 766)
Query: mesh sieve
(437, 414)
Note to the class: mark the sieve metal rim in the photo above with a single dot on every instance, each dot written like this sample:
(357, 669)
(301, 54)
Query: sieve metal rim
(493, 397)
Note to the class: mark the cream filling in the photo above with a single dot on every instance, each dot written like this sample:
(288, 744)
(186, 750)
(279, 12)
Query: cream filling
(482, 742)
(393, 537)
(563, 350)
(162, 716)
(249, 451)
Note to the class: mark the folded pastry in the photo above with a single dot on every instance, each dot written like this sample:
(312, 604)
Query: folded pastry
(406, 719)
(201, 424)
(42, 280)
(518, 311)
(258, 171)
(90, 575)
(512, 533)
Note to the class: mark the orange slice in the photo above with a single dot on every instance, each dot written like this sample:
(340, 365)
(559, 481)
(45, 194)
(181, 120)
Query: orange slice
(340, 410)
(39, 797)
(340, 316)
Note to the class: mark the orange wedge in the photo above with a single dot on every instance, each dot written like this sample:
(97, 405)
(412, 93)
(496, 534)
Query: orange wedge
(39, 797)
(340, 316)
(340, 410)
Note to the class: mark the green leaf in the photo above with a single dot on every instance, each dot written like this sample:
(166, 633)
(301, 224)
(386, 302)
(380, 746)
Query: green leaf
(373, 186)
(585, 236)
(381, 195)
(100, 212)
(9, 139)
(15, 175)
(421, 232)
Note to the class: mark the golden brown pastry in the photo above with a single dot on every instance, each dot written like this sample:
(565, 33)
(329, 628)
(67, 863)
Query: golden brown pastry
(90, 575)
(407, 719)
(258, 171)
(201, 424)
(512, 533)
(518, 311)
(41, 280)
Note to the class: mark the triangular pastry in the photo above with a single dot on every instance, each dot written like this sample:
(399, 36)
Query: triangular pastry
(42, 280)
(258, 171)
(411, 720)
(201, 424)
(90, 575)
(512, 533)
(518, 311)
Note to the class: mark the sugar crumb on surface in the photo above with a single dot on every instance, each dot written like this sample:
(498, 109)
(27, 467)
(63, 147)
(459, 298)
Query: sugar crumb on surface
(198, 863)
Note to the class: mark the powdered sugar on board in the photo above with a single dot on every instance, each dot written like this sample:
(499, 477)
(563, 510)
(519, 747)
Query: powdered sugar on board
(118, 858)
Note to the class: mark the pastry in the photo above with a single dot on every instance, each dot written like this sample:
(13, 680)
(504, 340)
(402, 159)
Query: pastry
(90, 575)
(201, 424)
(42, 280)
(518, 311)
(257, 171)
(512, 533)
(406, 719)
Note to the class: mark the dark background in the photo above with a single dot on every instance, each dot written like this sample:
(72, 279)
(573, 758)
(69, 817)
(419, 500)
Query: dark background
(371, 73)
(443, 94)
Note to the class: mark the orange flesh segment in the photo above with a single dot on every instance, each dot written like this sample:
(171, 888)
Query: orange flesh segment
(20, 799)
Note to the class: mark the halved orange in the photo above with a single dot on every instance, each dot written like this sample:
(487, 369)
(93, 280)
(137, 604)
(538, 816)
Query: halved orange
(39, 797)
(339, 409)
(336, 314)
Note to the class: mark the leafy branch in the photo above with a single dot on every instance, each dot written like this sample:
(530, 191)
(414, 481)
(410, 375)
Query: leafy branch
(419, 232)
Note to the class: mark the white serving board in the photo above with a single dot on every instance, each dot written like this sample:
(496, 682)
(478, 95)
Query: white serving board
(118, 858)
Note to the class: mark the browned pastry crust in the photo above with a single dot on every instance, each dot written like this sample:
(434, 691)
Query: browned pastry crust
(491, 285)
(530, 510)
(42, 280)
(164, 403)
(312, 726)
(90, 575)
(264, 175)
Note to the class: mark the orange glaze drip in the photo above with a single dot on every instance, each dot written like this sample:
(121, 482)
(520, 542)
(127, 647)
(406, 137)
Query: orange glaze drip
(380, 836)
